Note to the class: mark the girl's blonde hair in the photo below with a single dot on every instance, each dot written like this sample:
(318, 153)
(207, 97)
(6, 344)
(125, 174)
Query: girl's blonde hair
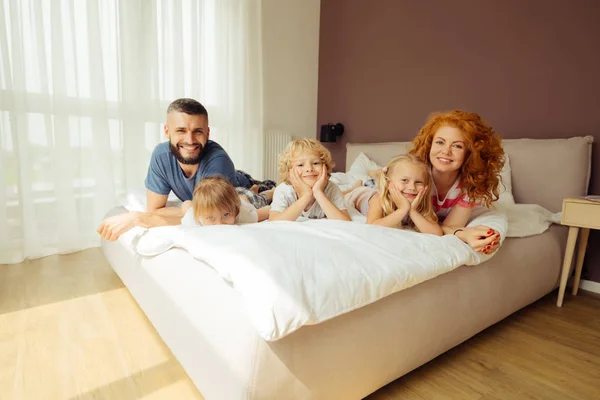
(425, 207)
(299, 146)
(215, 192)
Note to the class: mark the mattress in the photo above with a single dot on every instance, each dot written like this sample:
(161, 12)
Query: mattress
(198, 316)
(202, 321)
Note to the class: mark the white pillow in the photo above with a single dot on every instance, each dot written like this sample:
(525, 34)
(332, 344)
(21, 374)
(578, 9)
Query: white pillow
(342, 180)
(135, 200)
(361, 166)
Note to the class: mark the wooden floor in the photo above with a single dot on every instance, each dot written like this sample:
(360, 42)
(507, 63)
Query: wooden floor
(70, 330)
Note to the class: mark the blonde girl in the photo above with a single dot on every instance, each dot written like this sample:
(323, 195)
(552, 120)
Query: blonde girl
(403, 198)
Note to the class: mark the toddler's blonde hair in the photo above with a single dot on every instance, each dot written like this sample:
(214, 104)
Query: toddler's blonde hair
(299, 146)
(425, 207)
(215, 192)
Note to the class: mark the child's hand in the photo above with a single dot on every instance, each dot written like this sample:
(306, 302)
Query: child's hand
(418, 198)
(298, 184)
(321, 183)
(398, 198)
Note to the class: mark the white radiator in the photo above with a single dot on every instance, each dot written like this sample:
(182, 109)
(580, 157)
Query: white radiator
(275, 142)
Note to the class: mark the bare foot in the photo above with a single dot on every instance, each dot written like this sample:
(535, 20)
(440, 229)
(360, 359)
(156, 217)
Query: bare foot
(374, 173)
(254, 188)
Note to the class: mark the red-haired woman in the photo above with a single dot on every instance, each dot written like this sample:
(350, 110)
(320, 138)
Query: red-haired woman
(466, 157)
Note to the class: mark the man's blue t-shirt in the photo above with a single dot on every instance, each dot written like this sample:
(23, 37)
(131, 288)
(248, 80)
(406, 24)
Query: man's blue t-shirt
(165, 174)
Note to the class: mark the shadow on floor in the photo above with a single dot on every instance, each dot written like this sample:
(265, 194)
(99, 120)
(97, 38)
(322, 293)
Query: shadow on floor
(139, 384)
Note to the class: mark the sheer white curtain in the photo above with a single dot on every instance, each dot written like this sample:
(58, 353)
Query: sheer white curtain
(84, 87)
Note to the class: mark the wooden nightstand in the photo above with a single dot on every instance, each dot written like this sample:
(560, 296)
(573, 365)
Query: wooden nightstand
(576, 213)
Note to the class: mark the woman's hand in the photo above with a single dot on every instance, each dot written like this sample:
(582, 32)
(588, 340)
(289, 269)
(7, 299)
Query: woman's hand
(298, 184)
(481, 238)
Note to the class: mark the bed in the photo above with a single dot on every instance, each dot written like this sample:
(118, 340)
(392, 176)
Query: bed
(202, 319)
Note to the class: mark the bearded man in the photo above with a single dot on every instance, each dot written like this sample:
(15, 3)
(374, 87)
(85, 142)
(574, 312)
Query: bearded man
(188, 157)
(178, 165)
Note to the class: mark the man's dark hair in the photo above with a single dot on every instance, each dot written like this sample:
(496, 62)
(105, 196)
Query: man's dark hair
(187, 106)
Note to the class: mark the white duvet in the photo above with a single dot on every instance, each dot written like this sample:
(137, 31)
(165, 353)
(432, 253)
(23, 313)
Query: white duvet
(292, 274)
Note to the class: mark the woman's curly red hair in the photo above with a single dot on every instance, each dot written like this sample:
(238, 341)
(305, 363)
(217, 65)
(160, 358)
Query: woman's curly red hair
(485, 158)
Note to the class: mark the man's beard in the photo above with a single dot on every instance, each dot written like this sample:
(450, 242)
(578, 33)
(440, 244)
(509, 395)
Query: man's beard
(187, 161)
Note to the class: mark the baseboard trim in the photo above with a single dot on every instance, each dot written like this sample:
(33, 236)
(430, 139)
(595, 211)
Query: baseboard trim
(590, 286)
(584, 284)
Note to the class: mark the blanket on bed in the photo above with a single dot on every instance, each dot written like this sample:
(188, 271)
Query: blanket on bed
(292, 274)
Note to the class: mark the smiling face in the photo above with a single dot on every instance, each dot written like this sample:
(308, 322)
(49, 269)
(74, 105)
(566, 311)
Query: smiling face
(409, 178)
(188, 135)
(309, 166)
(448, 150)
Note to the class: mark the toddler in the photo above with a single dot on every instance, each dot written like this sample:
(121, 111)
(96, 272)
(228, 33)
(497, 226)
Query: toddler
(216, 202)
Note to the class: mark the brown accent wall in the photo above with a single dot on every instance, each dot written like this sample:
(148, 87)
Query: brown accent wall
(530, 68)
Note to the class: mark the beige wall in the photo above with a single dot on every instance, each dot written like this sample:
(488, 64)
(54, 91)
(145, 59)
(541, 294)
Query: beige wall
(291, 65)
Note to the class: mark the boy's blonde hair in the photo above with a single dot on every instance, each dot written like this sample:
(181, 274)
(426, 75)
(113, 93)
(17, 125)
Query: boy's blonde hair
(295, 147)
(215, 192)
(425, 207)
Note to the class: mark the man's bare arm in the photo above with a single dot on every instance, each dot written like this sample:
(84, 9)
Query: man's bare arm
(156, 204)
(154, 201)
(113, 227)
(158, 215)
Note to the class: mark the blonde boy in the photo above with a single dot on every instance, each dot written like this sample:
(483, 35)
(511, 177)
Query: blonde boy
(305, 191)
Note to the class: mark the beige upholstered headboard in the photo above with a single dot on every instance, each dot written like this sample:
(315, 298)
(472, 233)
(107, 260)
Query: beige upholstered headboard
(543, 171)
(381, 153)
